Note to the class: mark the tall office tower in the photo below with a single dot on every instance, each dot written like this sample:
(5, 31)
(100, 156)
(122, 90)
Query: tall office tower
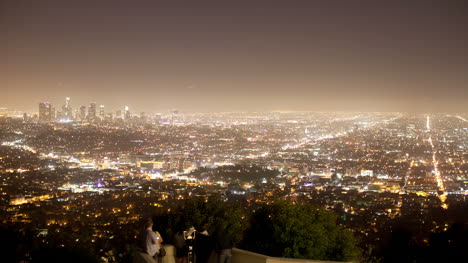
(126, 113)
(83, 113)
(101, 112)
(67, 109)
(45, 112)
(92, 112)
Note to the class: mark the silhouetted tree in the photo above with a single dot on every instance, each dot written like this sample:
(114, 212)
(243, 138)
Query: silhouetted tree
(198, 211)
(284, 229)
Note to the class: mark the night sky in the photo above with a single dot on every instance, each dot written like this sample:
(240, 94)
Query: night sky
(236, 55)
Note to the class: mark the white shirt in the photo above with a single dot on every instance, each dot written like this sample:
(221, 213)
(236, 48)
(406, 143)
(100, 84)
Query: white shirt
(152, 242)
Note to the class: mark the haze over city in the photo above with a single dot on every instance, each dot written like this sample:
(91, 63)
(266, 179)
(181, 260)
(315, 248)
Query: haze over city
(236, 56)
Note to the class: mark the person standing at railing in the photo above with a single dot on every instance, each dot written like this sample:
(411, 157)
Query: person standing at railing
(223, 245)
(203, 245)
(159, 245)
(148, 241)
(180, 246)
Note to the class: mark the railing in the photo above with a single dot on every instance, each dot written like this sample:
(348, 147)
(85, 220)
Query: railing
(238, 256)
(244, 256)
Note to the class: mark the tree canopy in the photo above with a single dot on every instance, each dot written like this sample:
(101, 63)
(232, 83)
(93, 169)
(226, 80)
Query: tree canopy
(284, 229)
(212, 211)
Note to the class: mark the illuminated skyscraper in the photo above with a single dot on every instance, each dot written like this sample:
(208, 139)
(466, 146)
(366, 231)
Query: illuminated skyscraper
(92, 112)
(101, 112)
(83, 113)
(45, 112)
(126, 113)
(67, 109)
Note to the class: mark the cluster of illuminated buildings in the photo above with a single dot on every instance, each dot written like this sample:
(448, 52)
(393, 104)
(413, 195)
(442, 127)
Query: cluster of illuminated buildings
(360, 165)
(92, 113)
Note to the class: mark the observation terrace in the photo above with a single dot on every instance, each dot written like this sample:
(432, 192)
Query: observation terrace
(238, 256)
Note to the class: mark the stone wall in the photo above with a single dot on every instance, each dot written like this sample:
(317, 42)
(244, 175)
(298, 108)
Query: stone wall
(238, 256)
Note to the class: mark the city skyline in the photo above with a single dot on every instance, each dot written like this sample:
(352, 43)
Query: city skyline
(69, 107)
(211, 56)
